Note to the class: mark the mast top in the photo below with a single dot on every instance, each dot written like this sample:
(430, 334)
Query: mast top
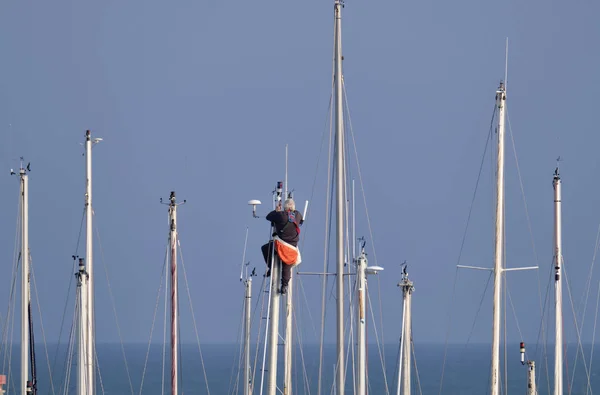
(88, 137)
(22, 169)
(556, 177)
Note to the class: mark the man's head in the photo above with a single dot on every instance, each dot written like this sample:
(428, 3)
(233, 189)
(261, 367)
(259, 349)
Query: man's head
(289, 205)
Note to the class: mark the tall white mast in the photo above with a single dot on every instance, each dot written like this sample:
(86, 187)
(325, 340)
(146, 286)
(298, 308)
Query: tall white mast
(339, 168)
(25, 284)
(247, 318)
(499, 246)
(83, 385)
(361, 272)
(174, 291)
(558, 261)
(90, 348)
(404, 370)
(274, 310)
(407, 290)
(287, 369)
(247, 381)
(86, 347)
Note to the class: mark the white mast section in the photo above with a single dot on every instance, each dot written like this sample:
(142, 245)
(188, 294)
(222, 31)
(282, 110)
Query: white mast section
(247, 319)
(87, 384)
(90, 347)
(287, 370)
(499, 246)
(558, 262)
(247, 368)
(340, 189)
(274, 309)
(25, 284)
(531, 388)
(83, 335)
(498, 268)
(407, 290)
(361, 269)
(174, 293)
(404, 370)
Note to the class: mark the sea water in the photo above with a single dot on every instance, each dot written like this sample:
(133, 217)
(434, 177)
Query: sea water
(466, 369)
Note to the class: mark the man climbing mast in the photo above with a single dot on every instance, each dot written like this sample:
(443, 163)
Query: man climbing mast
(287, 224)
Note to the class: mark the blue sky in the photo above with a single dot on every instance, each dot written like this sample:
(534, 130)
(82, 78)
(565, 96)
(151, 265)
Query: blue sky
(201, 98)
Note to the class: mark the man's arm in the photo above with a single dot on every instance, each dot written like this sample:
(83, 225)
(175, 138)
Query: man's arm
(300, 218)
(272, 216)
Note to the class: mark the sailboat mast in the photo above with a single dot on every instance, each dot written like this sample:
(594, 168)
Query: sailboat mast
(361, 267)
(340, 168)
(82, 335)
(25, 285)
(558, 355)
(247, 381)
(287, 360)
(89, 319)
(174, 329)
(499, 245)
(407, 290)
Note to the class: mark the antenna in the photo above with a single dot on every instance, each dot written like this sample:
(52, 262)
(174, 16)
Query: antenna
(254, 203)
(506, 66)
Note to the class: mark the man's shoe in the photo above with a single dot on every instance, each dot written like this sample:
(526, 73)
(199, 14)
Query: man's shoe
(268, 273)
(284, 289)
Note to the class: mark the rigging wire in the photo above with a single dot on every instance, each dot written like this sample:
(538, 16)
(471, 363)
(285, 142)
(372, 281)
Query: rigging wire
(328, 205)
(235, 371)
(379, 345)
(114, 307)
(263, 292)
(541, 331)
(535, 254)
(362, 187)
(577, 329)
(462, 244)
(589, 388)
(71, 345)
(153, 322)
(11, 302)
(193, 317)
(301, 348)
(415, 363)
(585, 297)
(166, 271)
(42, 329)
(73, 268)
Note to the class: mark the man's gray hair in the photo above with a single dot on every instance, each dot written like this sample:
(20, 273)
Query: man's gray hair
(289, 205)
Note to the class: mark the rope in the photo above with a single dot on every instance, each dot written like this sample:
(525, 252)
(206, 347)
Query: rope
(193, 317)
(153, 322)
